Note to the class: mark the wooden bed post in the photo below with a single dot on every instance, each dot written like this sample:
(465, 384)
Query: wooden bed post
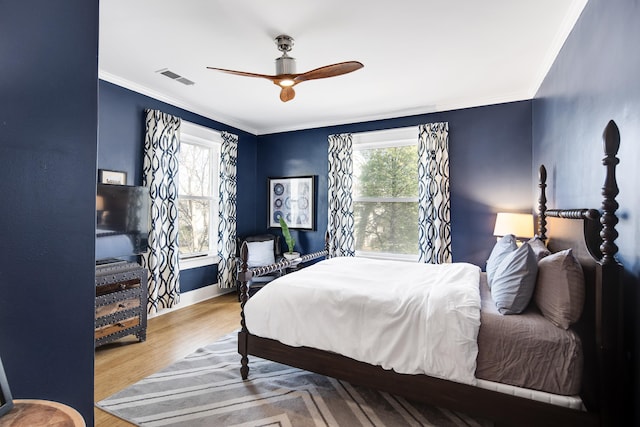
(244, 275)
(609, 313)
(610, 190)
(542, 204)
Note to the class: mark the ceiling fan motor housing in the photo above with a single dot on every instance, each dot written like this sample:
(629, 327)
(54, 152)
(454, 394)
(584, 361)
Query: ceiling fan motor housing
(285, 65)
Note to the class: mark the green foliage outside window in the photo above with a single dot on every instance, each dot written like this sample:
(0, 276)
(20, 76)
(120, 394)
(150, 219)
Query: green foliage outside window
(386, 208)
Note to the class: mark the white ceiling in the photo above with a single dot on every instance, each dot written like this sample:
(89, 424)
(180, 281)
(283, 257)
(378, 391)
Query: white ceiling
(419, 56)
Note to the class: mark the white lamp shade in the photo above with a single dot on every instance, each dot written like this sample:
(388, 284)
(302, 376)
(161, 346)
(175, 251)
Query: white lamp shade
(520, 225)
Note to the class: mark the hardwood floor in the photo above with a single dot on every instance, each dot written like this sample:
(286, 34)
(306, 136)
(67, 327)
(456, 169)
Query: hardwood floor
(170, 337)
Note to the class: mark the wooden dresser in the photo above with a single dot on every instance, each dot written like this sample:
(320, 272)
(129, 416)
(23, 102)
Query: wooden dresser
(121, 302)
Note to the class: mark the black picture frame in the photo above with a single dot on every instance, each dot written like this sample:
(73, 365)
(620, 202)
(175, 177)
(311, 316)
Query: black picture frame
(293, 198)
(6, 401)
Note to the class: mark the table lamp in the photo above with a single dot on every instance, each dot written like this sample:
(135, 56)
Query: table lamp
(520, 225)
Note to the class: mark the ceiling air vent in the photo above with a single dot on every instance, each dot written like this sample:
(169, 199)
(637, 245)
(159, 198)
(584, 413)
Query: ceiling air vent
(175, 76)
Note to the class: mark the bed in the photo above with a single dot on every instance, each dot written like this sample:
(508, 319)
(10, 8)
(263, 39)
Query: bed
(590, 393)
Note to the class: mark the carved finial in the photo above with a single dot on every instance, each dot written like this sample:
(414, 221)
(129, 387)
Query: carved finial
(542, 204)
(244, 254)
(611, 137)
(542, 175)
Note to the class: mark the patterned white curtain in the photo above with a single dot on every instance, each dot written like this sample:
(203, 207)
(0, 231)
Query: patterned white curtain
(227, 210)
(341, 224)
(160, 175)
(434, 206)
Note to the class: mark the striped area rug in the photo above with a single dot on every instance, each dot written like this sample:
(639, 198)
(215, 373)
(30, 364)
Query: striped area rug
(205, 389)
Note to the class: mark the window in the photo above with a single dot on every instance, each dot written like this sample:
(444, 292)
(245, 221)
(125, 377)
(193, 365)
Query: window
(198, 195)
(385, 193)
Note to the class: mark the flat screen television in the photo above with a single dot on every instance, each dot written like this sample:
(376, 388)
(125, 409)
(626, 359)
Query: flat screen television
(122, 221)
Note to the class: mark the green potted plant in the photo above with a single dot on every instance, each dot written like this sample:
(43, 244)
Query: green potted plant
(290, 241)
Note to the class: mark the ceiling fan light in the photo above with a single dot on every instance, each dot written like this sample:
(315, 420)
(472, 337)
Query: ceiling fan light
(286, 83)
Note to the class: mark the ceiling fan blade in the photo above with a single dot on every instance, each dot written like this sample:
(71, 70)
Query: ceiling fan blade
(286, 77)
(287, 94)
(329, 71)
(244, 73)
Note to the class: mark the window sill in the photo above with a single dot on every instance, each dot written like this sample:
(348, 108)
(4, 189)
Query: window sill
(386, 255)
(201, 261)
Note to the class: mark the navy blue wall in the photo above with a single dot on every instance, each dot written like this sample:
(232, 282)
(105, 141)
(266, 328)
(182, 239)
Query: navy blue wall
(490, 170)
(121, 144)
(48, 137)
(486, 145)
(595, 79)
(48, 134)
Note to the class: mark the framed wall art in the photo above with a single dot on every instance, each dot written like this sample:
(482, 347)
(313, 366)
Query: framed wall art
(293, 199)
(106, 176)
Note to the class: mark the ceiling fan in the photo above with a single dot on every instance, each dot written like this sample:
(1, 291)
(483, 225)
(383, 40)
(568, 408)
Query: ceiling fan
(286, 76)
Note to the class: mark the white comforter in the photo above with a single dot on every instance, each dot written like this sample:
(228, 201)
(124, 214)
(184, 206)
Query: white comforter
(410, 317)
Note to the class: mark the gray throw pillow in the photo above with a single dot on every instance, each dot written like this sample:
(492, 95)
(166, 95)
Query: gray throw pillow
(514, 280)
(560, 288)
(539, 248)
(504, 246)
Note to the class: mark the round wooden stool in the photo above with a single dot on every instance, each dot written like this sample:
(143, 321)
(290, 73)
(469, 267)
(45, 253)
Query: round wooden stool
(41, 413)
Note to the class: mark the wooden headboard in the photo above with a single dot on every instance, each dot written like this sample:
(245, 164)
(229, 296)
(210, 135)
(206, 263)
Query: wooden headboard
(591, 233)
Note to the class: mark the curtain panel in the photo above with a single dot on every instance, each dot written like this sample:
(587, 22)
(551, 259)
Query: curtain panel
(341, 223)
(434, 205)
(228, 184)
(160, 175)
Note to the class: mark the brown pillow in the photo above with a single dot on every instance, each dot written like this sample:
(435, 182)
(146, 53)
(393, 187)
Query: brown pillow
(559, 290)
(539, 248)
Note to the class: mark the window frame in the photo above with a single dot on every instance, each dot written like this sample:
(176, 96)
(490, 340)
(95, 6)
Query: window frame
(193, 134)
(389, 138)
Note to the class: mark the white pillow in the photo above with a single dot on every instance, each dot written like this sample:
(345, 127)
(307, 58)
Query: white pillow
(514, 280)
(503, 247)
(260, 253)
